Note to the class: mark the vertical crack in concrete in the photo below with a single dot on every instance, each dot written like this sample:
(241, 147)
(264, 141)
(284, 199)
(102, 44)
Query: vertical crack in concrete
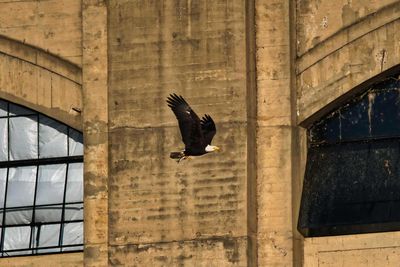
(383, 58)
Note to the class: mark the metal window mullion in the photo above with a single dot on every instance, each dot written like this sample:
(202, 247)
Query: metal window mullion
(48, 247)
(17, 116)
(64, 197)
(42, 205)
(60, 240)
(4, 216)
(42, 223)
(42, 161)
(68, 133)
(36, 187)
(37, 238)
(8, 131)
(38, 135)
(6, 188)
(32, 224)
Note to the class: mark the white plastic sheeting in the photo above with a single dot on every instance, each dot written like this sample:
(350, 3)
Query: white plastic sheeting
(25, 134)
(73, 234)
(50, 190)
(75, 143)
(3, 179)
(51, 181)
(75, 183)
(20, 192)
(3, 139)
(17, 238)
(73, 212)
(46, 214)
(49, 235)
(52, 138)
(21, 186)
(74, 192)
(23, 138)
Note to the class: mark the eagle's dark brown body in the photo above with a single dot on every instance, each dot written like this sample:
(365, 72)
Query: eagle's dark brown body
(196, 134)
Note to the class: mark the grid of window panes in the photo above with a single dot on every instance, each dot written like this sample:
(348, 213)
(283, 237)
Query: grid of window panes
(41, 184)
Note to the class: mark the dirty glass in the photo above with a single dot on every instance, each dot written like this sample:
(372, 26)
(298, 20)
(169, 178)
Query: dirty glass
(41, 184)
(352, 178)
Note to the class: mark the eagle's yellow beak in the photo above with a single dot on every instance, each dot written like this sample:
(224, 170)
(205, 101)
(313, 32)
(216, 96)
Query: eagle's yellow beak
(216, 149)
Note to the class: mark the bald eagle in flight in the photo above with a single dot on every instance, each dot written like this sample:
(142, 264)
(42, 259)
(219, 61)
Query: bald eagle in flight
(196, 134)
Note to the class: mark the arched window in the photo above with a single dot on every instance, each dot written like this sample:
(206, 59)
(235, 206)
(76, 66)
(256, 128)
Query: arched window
(41, 183)
(352, 179)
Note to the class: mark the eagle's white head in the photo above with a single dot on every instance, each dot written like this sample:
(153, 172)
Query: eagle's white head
(211, 148)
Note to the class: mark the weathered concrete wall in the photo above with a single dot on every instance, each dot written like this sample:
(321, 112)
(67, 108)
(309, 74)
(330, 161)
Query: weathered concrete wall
(64, 260)
(275, 137)
(52, 25)
(380, 249)
(354, 55)
(194, 213)
(95, 125)
(210, 252)
(319, 20)
(40, 81)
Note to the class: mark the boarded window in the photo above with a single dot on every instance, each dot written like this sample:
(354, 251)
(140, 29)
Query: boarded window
(352, 179)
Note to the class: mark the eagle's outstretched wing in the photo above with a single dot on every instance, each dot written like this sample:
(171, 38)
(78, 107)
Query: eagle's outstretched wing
(189, 122)
(208, 128)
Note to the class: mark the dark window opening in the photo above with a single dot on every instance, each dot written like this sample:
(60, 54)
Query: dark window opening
(352, 178)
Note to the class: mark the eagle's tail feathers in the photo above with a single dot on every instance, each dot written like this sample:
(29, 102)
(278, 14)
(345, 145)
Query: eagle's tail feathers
(178, 156)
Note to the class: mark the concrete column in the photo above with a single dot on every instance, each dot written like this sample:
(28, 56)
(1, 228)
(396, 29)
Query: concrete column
(95, 128)
(163, 213)
(275, 132)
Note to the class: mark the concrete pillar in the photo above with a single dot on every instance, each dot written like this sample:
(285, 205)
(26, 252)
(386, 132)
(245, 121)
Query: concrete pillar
(163, 213)
(95, 125)
(275, 132)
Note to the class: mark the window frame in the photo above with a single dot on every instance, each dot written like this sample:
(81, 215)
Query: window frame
(306, 225)
(34, 248)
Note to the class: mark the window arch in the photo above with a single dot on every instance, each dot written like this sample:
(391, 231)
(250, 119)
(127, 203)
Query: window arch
(41, 183)
(352, 179)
